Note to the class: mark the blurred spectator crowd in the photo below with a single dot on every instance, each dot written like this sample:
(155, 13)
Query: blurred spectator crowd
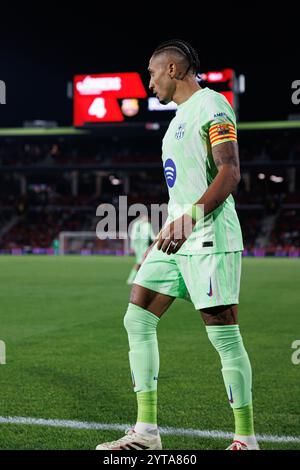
(41, 194)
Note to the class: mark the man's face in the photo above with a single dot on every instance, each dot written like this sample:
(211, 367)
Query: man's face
(161, 83)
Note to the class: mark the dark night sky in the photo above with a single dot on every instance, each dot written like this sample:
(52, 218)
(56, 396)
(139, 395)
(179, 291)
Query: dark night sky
(42, 48)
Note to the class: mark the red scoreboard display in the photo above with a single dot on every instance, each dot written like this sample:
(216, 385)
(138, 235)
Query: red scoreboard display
(96, 97)
(118, 97)
(222, 81)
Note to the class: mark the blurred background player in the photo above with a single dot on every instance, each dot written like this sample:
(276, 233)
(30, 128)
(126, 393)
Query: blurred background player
(55, 246)
(198, 253)
(141, 237)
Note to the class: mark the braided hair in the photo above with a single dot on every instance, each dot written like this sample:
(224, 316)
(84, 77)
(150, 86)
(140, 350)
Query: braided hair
(186, 51)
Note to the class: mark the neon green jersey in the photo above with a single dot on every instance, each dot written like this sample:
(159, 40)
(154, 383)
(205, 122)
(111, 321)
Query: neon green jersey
(204, 120)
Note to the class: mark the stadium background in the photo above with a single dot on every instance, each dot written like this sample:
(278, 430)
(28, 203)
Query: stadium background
(62, 316)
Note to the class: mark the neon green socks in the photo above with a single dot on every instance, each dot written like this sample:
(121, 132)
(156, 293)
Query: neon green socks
(143, 355)
(147, 407)
(141, 327)
(244, 420)
(144, 360)
(237, 374)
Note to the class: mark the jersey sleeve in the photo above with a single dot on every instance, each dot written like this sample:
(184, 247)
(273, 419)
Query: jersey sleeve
(220, 120)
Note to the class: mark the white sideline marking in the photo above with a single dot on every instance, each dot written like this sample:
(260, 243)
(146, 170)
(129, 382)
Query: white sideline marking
(122, 427)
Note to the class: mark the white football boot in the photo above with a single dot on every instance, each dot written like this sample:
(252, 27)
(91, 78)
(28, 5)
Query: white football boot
(133, 441)
(238, 445)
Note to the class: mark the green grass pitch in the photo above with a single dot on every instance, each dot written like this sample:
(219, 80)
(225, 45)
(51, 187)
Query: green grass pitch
(67, 354)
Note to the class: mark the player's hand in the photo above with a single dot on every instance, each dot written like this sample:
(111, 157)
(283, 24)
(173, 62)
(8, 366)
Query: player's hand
(173, 236)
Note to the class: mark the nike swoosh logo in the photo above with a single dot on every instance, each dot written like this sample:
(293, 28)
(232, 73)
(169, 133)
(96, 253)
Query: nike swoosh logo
(210, 293)
(231, 397)
(133, 379)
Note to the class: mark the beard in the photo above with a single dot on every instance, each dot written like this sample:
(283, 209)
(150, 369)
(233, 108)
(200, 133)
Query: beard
(164, 101)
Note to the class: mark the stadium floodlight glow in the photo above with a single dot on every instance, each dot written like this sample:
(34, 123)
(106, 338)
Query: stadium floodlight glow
(241, 84)
(276, 179)
(152, 126)
(2, 92)
(261, 176)
(114, 180)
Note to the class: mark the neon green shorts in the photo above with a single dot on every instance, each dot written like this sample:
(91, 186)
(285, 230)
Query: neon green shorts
(205, 280)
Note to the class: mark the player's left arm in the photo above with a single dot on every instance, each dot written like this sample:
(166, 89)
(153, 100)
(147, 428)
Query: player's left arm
(226, 158)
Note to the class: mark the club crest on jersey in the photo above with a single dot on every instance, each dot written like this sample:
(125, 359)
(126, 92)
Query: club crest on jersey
(223, 129)
(179, 134)
(170, 172)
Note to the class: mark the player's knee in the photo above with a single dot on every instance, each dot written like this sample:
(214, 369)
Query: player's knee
(132, 319)
(220, 315)
(227, 340)
(128, 320)
(139, 321)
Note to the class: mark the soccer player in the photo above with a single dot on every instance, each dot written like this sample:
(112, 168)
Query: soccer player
(197, 255)
(140, 238)
(55, 245)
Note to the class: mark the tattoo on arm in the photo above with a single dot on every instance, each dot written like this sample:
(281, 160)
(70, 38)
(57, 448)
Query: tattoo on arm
(226, 154)
(226, 160)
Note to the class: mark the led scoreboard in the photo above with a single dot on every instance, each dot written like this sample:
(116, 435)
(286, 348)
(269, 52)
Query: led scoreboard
(96, 97)
(119, 97)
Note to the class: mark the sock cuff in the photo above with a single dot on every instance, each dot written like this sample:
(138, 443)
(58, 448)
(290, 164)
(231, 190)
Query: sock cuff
(151, 394)
(224, 329)
(142, 313)
(244, 420)
(147, 394)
